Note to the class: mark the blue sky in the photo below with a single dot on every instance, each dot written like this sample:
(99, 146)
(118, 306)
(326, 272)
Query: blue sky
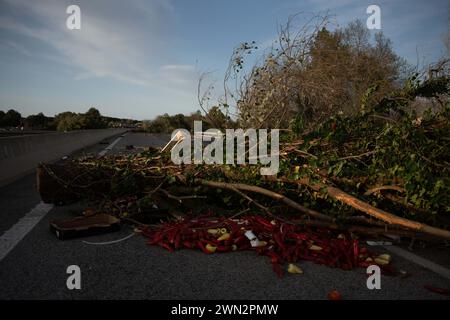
(137, 59)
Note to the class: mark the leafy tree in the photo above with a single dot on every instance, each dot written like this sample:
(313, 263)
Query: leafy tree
(66, 121)
(12, 118)
(93, 119)
(217, 116)
(38, 121)
(313, 73)
(167, 124)
(161, 124)
(2, 114)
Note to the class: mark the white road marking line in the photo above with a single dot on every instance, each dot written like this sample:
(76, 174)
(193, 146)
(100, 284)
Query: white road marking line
(18, 231)
(440, 270)
(13, 236)
(108, 148)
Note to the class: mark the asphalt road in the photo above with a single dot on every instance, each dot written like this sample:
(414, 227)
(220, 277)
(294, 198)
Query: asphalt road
(36, 267)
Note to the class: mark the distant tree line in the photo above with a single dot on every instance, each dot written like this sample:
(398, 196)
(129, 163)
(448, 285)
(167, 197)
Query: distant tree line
(167, 124)
(92, 119)
(11, 118)
(65, 121)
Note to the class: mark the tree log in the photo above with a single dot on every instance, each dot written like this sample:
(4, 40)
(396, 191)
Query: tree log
(354, 202)
(268, 193)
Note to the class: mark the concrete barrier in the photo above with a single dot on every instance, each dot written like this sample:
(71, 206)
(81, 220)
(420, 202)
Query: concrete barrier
(21, 154)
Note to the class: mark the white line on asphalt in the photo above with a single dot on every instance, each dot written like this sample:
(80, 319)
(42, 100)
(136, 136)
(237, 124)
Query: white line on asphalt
(440, 270)
(18, 231)
(13, 236)
(108, 148)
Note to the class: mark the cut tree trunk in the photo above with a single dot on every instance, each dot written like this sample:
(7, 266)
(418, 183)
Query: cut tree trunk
(354, 202)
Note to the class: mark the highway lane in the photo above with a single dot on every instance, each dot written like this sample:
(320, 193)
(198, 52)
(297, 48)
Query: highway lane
(36, 267)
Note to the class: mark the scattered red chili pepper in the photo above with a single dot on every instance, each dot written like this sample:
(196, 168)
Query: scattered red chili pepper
(201, 246)
(278, 269)
(278, 240)
(224, 248)
(445, 292)
(264, 222)
(166, 246)
(177, 241)
(334, 295)
(285, 242)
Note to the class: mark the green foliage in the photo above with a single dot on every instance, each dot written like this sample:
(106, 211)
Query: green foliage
(93, 119)
(363, 151)
(355, 153)
(312, 73)
(167, 124)
(40, 121)
(68, 121)
(433, 87)
(12, 118)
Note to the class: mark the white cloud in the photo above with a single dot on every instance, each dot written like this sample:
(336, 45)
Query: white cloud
(178, 74)
(118, 39)
(12, 45)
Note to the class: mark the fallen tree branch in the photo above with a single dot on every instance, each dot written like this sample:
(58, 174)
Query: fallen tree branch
(251, 200)
(358, 156)
(376, 189)
(180, 198)
(373, 231)
(268, 193)
(354, 202)
(367, 221)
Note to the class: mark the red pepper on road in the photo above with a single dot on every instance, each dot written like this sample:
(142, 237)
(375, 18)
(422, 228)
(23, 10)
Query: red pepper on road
(166, 246)
(442, 291)
(284, 242)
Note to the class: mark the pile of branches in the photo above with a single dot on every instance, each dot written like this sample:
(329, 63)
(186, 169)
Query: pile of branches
(316, 186)
(383, 171)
